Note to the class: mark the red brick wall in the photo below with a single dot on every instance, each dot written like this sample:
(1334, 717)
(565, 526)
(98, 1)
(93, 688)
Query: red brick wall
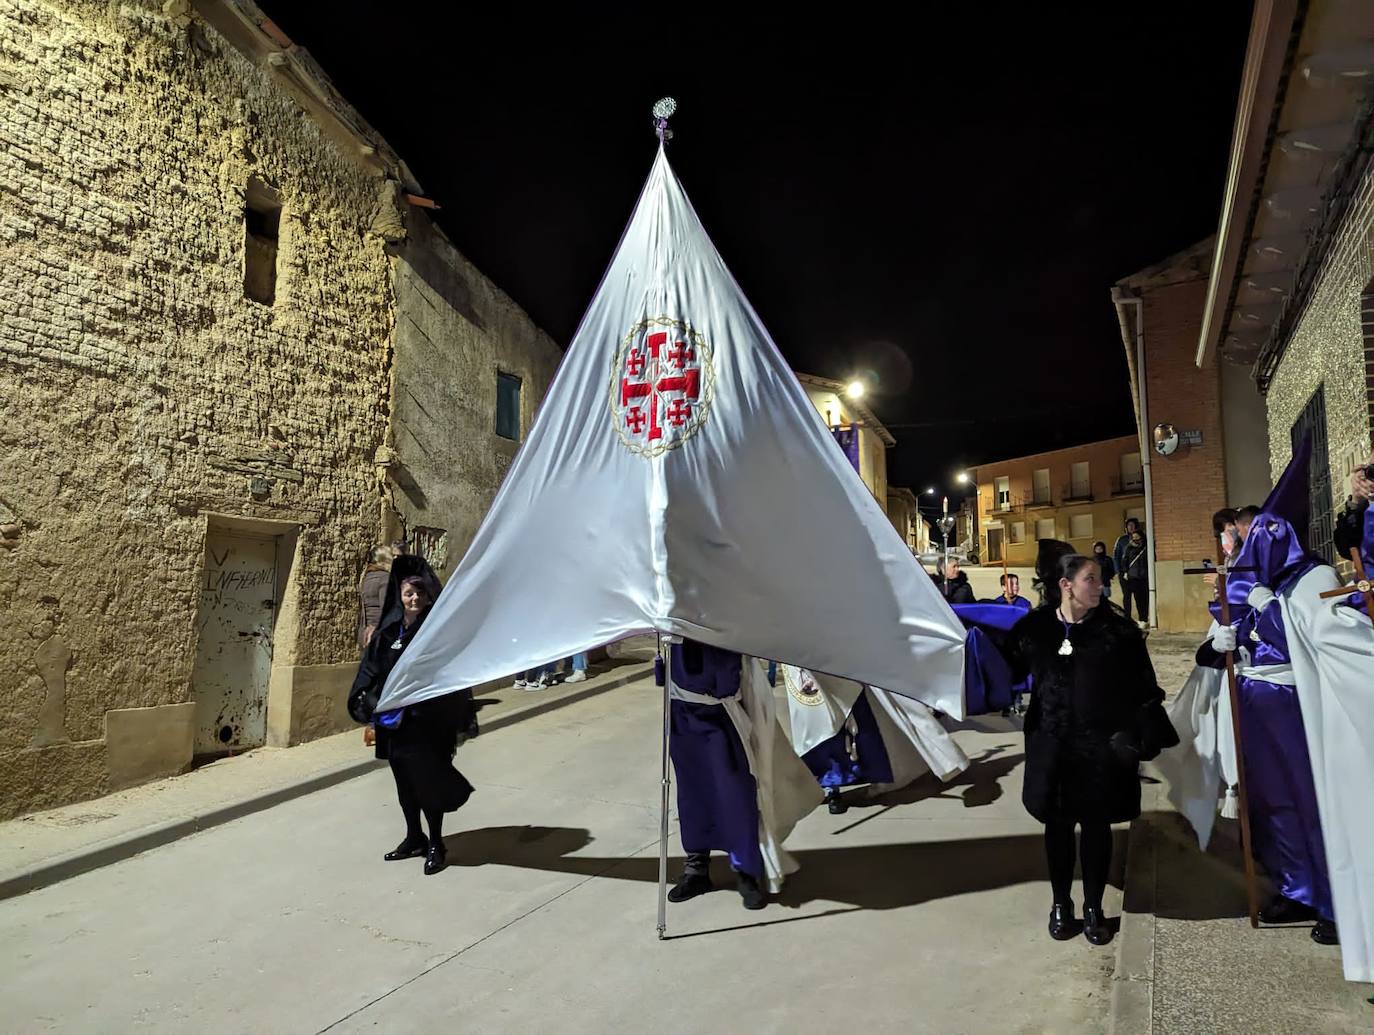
(1190, 485)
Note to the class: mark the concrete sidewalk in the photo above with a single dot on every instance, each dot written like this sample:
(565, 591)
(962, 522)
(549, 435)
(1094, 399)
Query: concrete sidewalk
(1188, 960)
(46, 847)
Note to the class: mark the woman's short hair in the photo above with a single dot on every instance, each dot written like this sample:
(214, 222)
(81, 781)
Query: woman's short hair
(1223, 517)
(1101, 544)
(419, 583)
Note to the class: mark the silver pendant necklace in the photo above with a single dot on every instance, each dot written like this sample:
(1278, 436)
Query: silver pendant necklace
(1065, 648)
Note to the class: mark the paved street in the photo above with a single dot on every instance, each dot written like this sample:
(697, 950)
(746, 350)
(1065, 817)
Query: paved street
(922, 914)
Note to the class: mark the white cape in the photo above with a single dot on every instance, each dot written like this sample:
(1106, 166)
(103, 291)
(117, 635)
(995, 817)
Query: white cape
(679, 479)
(913, 737)
(1332, 648)
(1203, 764)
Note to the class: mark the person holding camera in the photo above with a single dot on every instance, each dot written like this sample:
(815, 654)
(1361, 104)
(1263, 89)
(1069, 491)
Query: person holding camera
(1355, 524)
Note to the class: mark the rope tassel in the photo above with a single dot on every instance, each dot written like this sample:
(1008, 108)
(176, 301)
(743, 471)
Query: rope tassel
(1230, 804)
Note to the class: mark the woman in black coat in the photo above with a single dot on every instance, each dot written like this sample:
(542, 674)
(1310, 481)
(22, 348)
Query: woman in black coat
(1094, 714)
(418, 740)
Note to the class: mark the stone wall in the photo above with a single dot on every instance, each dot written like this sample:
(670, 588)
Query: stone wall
(144, 392)
(1327, 350)
(455, 331)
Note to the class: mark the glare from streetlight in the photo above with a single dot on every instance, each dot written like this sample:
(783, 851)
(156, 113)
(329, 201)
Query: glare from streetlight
(930, 492)
(961, 477)
(855, 390)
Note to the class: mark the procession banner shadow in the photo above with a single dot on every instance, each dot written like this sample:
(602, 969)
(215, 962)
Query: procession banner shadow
(978, 785)
(864, 877)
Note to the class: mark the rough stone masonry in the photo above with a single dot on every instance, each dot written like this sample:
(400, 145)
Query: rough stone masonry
(145, 393)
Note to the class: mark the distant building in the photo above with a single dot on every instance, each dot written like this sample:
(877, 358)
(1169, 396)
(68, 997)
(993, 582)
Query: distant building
(859, 433)
(904, 511)
(1079, 494)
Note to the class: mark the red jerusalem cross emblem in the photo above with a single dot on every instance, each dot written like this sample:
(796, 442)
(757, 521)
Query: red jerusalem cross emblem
(661, 385)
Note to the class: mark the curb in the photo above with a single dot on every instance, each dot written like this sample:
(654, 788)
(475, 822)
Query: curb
(46, 874)
(1132, 1009)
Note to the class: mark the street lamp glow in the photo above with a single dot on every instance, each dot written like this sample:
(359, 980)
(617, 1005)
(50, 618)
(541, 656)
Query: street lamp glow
(855, 390)
(961, 477)
(930, 492)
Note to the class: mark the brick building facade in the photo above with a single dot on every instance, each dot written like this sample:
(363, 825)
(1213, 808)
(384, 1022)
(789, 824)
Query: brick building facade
(1080, 494)
(198, 354)
(1223, 461)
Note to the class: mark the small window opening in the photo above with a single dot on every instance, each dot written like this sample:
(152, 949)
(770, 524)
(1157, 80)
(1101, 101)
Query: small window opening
(261, 234)
(508, 406)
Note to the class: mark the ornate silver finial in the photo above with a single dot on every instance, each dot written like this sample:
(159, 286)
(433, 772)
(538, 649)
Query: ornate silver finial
(663, 111)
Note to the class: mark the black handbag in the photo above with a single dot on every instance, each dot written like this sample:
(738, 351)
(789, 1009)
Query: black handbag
(362, 703)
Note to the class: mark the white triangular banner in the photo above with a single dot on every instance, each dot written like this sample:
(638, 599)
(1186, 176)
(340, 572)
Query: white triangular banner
(678, 479)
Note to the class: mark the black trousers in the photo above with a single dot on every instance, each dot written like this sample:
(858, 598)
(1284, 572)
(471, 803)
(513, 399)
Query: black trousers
(1137, 590)
(1094, 855)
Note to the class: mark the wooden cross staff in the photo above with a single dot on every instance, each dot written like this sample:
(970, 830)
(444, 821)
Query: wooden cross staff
(1221, 570)
(1362, 584)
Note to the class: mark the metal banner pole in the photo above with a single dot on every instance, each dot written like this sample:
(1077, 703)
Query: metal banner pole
(663, 802)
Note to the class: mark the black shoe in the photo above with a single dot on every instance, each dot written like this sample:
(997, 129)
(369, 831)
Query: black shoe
(835, 804)
(1286, 911)
(754, 896)
(1095, 927)
(1324, 933)
(410, 848)
(436, 860)
(690, 885)
(1062, 924)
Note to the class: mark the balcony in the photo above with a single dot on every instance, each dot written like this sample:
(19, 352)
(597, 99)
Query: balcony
(1077, 493)
(1040, 498)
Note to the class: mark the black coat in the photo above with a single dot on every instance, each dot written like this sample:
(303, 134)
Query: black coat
(430, 728)
(960, 592)
(1104, 561)
(1093, 715)
(1134, 562)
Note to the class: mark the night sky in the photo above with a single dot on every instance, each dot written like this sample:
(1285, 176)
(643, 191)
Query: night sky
(943, 202)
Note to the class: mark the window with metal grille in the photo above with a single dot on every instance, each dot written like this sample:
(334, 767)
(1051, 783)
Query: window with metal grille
(1321, 527)
(508, 406)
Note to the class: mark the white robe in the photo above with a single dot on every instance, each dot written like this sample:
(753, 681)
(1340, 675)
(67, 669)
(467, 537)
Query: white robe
(1332, 647)
(913, 737)
(1203, 764)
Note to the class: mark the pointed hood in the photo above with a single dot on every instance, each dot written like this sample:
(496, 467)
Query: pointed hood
(1276, 546)
(679, 479)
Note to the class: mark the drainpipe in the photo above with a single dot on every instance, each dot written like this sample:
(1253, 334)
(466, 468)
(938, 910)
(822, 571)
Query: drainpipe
(1135, 359)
